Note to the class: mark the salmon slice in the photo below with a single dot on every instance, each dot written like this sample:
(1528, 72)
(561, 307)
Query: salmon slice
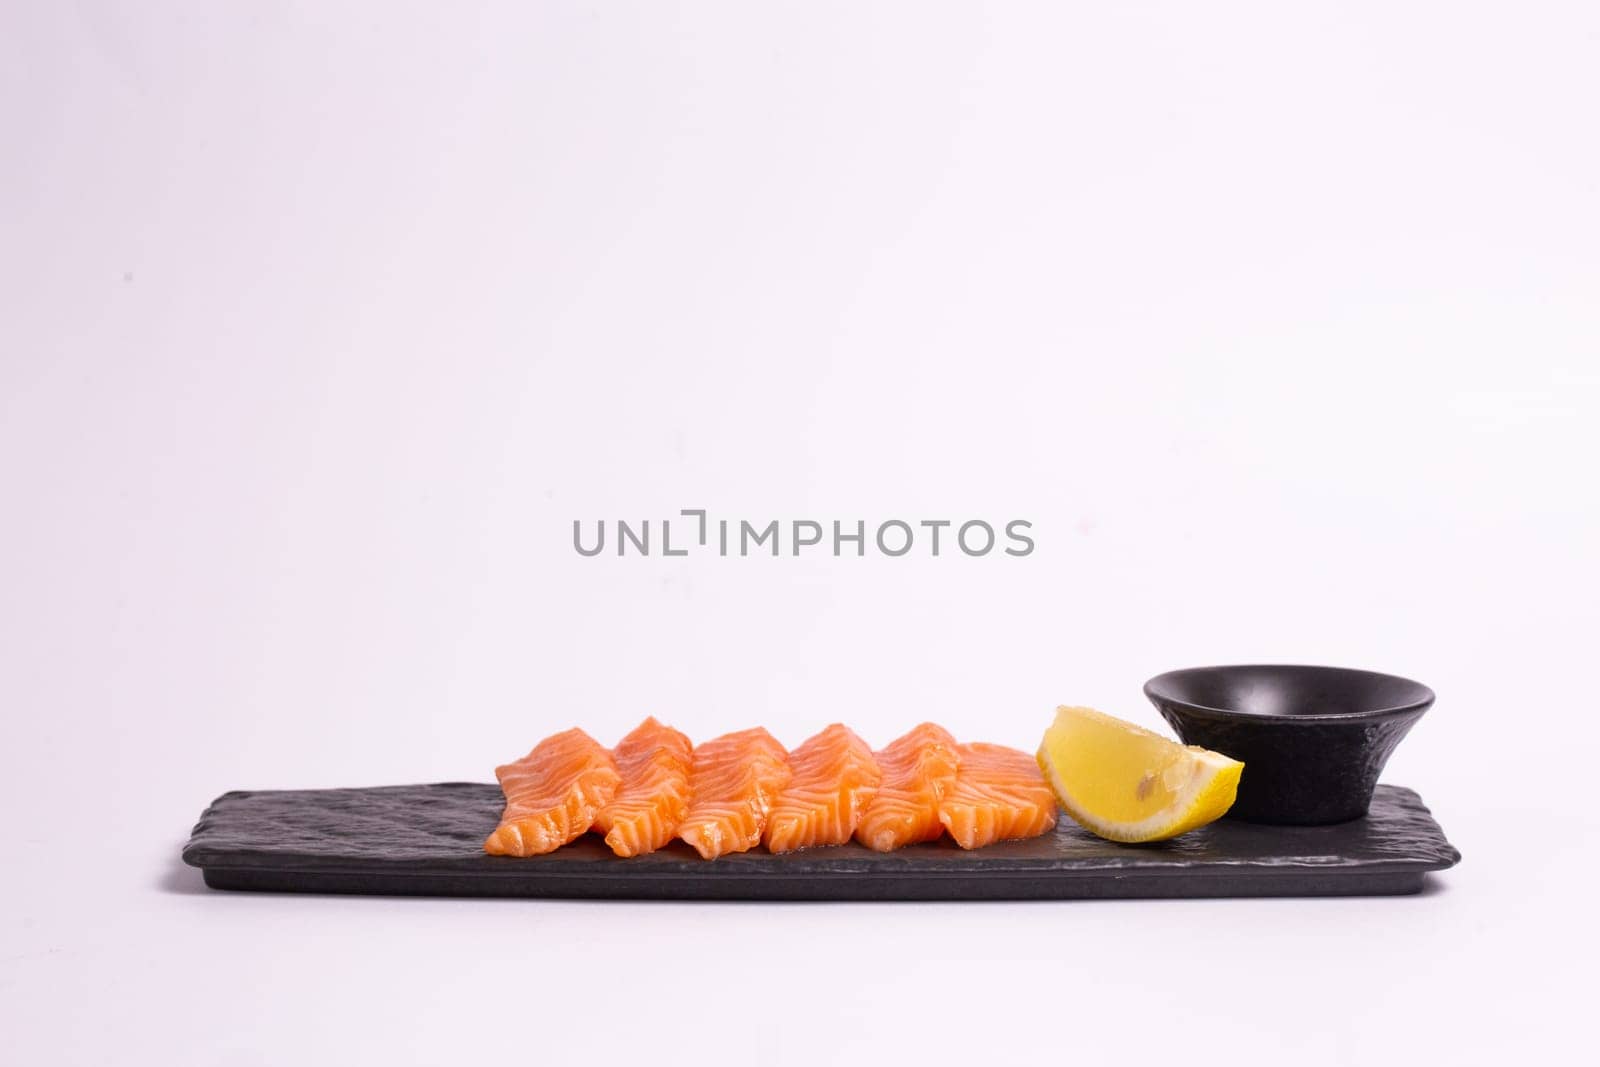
(553, 794)
(918, 770)
(999, 794)
(654, 763)
(835, 778)
(732, 784)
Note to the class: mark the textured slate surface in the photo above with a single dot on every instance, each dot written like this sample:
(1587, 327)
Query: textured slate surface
(427, 840)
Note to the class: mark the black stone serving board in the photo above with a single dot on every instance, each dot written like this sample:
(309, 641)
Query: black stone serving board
(428, 840)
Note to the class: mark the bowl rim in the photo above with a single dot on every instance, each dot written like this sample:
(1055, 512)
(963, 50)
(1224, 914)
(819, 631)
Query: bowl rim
(1417, 706)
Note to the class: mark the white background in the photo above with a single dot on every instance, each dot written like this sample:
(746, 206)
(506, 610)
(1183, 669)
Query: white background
(321, 324)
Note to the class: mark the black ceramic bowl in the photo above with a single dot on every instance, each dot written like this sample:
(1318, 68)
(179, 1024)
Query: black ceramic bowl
(1313, 739)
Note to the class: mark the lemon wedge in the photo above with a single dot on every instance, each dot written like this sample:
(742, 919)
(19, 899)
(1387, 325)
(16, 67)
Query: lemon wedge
(1125, 783)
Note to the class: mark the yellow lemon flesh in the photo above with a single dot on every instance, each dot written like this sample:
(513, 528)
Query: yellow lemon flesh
(1127, 784)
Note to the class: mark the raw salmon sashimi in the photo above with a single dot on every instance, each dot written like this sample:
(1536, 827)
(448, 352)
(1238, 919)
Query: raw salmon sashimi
(654, 762)
(553, 794)
(732, 784)
(999, 794)
(835, 778)
(918, 769)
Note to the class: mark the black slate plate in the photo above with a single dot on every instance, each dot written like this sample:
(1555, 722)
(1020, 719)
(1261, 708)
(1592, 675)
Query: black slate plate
(427, 840)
